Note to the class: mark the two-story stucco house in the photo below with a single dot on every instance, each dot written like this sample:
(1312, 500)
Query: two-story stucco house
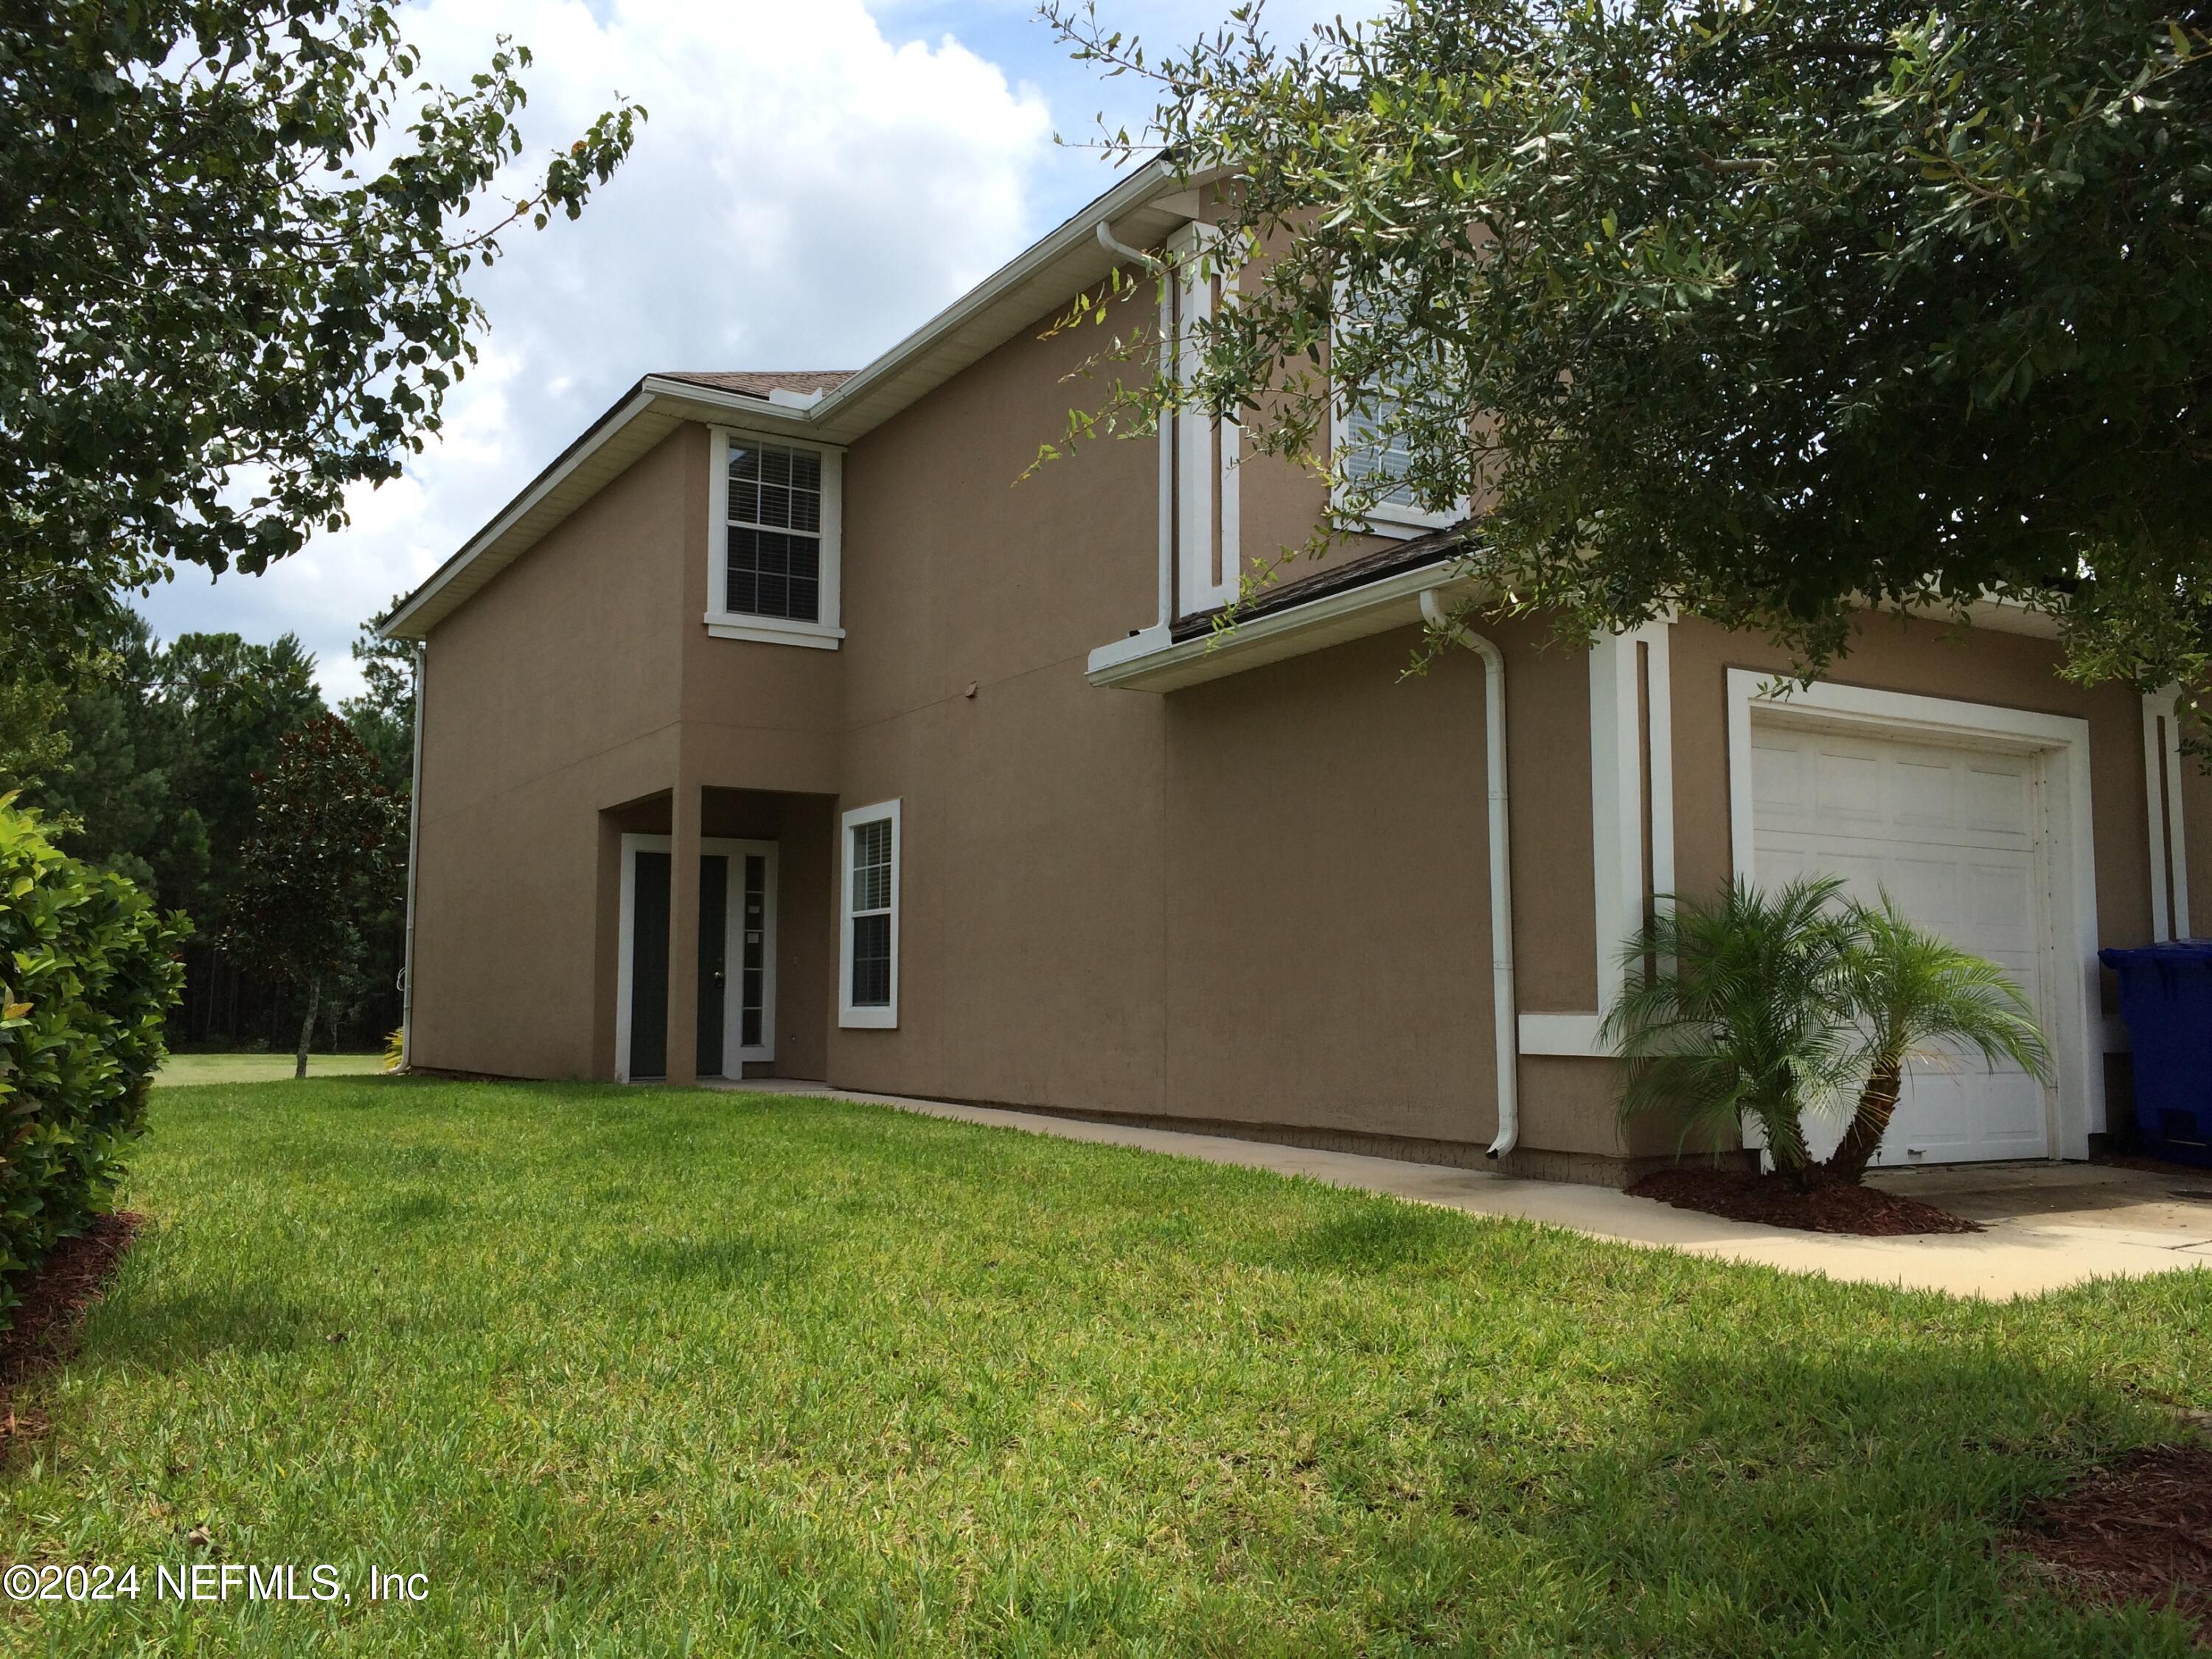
(774, 729)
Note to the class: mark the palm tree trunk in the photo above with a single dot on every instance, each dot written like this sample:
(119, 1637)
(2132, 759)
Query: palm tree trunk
(1785, 1145)
(307, 1025)
(1877, 1103)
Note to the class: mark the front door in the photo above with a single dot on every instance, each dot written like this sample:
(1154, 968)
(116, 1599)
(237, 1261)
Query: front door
(736, 983)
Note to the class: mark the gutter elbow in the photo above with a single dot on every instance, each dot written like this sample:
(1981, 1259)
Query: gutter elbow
(1120, 249)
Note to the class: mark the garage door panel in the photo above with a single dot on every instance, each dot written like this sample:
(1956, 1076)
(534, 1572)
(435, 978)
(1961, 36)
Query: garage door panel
(1778, 786)
(1997, 802)
(1848, 788)
(1928, 889)
(1949, 835)
(1921, 794)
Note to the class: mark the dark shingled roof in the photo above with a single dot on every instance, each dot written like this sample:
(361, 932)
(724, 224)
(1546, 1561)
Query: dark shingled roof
(759, 382)
(1437, 547)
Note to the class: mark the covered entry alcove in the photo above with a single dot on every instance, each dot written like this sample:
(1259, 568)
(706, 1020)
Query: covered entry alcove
(731, 969)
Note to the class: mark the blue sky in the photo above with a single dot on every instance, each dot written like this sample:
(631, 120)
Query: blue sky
(815, 180)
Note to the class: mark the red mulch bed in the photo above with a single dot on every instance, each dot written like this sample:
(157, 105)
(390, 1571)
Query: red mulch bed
(2139, 1532)
(1833, 1208)
(43, 1326)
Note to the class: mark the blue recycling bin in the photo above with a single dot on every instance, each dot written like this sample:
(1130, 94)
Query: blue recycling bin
(2166, 997)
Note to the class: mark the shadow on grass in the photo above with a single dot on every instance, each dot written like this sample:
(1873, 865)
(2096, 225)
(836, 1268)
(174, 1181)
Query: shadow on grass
(181, 1330)
(1376, 1238)
(730, 1259)
(1782, 1502)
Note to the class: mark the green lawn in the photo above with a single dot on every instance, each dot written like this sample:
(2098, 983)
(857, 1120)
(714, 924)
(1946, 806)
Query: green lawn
(179, 1071)
(645, 1373)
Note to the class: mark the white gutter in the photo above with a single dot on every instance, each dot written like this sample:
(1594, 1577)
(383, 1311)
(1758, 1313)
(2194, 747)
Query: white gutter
(414, 837)
(1507, 1037)
(1115, 246)
(1125, 198)
(1149, 660)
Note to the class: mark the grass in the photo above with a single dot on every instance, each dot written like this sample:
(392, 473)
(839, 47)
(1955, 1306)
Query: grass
(650, 1372)
(182, 1071)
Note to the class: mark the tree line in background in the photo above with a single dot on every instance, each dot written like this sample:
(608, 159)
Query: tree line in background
(210, 771)
(234, 263)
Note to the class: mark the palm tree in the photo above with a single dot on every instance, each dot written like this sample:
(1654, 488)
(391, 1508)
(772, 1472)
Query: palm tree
(1916, 997)
(1741, 1009)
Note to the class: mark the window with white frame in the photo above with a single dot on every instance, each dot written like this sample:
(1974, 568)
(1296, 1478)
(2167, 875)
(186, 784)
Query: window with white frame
(1370, 455)
(776, 522)
(868, 923)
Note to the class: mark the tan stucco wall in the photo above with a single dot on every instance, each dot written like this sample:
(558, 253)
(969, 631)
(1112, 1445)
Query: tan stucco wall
(2197, 823)
(1262, 900)
(550, 696)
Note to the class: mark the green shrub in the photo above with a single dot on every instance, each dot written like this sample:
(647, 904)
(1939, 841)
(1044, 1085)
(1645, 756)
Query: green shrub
(87, 971)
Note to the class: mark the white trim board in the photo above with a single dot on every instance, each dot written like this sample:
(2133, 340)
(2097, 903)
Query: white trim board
(1205, 451)
(1618, 691)
(723, 623)
(871, 1018)
(733, 1053)
(2061, 745)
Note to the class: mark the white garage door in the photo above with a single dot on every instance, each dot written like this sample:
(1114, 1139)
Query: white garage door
(1950, 832)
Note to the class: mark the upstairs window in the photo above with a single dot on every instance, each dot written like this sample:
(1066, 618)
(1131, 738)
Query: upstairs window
(775, 524)
(776, 531)
(1368, 456)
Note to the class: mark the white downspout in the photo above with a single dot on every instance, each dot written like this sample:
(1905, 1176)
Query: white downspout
(1121, 250)
(1502, 1006)
(414, 838)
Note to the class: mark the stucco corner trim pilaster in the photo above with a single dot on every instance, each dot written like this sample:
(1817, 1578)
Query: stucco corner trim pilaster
(1632, 759)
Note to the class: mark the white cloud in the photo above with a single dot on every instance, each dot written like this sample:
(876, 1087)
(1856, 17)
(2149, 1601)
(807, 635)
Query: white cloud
(807, 191)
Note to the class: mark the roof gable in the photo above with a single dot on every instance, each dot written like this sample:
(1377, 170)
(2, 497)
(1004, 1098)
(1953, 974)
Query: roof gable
(1142, 211)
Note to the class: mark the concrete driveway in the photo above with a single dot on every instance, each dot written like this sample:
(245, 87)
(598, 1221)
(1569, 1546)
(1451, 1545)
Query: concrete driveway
(2046, 1225)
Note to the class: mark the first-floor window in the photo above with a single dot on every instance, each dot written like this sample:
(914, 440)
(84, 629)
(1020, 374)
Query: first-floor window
(868, 950)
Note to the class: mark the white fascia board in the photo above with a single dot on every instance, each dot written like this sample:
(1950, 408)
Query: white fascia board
(1077, 235)
(1149, 660)
(2004, 615)
(395, 626)
(716, 407)
(1992, 612)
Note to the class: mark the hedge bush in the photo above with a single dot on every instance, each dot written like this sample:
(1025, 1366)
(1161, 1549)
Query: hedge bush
(87, 971)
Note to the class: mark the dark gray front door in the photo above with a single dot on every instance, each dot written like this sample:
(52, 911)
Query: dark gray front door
(714, 959)
(649, 1003)
(648, 974)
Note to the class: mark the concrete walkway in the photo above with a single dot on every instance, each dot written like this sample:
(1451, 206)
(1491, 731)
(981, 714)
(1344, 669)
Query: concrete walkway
(2102, 1224)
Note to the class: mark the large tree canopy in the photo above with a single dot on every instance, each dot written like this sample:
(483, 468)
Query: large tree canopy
(1764, 310)
(232, 240)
